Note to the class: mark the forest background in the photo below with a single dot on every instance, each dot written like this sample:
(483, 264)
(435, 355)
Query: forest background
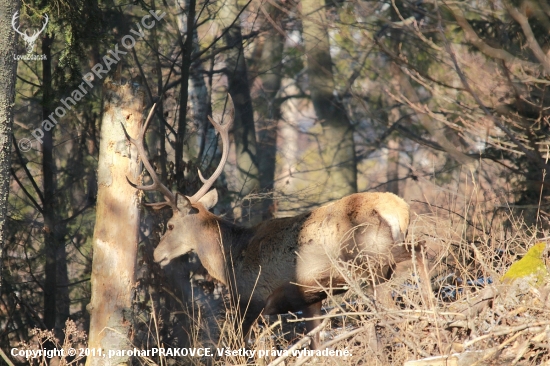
(441, 102)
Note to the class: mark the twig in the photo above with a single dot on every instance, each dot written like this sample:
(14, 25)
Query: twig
(529, 154)
(500, 347)
(373, 313)
(161, 359)
(300, 343)
(5, 358)
(333, 341)
(474, 39)
(469, 222)
(504, 332)
(531, 41)
(268, 329)
(397, 335)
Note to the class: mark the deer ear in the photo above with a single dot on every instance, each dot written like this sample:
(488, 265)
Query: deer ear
(183, 204)
(210, 199)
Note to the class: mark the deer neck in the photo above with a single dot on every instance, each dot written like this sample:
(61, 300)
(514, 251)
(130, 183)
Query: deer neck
(221, 250)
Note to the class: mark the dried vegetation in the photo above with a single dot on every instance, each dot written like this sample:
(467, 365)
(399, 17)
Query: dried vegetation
(473, 318)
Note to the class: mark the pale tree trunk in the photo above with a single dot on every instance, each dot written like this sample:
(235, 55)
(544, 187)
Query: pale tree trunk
(338, 147)
(290, 150)
(269, 111)
(291, 111)
(8, 71)
(116, 229)
(244, 131)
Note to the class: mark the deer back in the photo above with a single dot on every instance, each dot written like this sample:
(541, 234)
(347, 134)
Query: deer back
(305, 249)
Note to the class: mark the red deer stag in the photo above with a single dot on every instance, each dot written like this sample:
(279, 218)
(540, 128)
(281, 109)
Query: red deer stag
(282, 265)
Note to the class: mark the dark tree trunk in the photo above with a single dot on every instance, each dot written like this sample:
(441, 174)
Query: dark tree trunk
(244, 131)
(56, 298)
(187, 47)
(338, 154)
(392, 169)
(48, 171)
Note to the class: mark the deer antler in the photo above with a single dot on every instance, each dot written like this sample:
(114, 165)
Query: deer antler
(223, 130)
(157, 185)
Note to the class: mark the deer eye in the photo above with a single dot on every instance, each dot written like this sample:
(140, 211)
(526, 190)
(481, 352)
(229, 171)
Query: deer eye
(170, 227)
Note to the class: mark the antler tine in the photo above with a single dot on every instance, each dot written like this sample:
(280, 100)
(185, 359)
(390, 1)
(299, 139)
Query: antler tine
(16, 28)
(157, 185)
(223, 130)
(201, 177)
(157, 205)
(46, 23)
(147, 121)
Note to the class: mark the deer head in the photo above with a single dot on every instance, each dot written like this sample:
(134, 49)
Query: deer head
(29, 40)
(191, 217)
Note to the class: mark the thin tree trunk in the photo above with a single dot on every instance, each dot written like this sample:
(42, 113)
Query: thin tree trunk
(269, 112)
(156, 139)
(244, 130)
(338, 153)
(198, 92)
(200, 100)
(116, 230)
(49, 181)
(56, 299)
(8, 72)
(178, 274)
(187, 47)
(392, 168)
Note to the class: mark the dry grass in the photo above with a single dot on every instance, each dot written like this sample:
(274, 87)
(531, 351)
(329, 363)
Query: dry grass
(471, 315)
(40, 349)
(471, 310)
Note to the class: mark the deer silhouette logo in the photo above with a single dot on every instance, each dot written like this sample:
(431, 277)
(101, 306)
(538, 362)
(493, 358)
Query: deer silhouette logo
(29, 40)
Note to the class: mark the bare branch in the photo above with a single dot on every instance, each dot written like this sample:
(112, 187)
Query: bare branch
(531, 41)
(474, 39)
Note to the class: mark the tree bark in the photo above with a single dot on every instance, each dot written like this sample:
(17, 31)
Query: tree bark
(338, 153)
(269, 111)
(392, 168)
(187, 48)
(116, 230)
(244, 131)
(8, 72)
(49, 183)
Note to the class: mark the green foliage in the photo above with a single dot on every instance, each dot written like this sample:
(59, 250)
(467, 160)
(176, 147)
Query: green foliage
(530, 266)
